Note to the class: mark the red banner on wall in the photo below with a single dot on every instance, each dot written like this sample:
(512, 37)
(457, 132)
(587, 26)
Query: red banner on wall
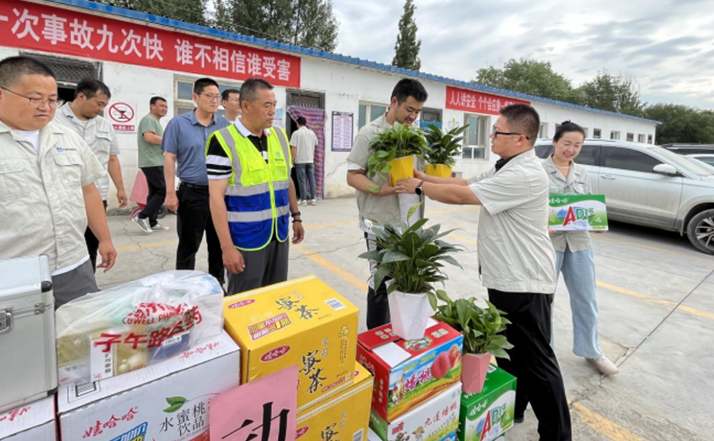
(477, 102)
(60, 31)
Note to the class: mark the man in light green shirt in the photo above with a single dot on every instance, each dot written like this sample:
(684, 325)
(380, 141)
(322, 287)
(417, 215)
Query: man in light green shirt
(151, 163)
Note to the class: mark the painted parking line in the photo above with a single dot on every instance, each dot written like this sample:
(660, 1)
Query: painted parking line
(148, 245)
(345, 275)
(654, 248)
(602, 425)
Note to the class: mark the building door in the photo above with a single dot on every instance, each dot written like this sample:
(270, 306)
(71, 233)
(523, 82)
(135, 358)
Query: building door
(68, 71)
(311, 106)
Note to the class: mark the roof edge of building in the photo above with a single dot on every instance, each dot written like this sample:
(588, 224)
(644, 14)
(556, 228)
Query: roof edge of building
(205, 30)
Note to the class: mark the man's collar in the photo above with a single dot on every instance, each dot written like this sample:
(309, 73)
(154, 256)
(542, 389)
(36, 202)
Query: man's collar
(245, 132)
(517, 157)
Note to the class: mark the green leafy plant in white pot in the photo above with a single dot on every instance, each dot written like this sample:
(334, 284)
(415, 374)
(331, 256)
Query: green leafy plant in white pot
(482, 329)
(412, 260)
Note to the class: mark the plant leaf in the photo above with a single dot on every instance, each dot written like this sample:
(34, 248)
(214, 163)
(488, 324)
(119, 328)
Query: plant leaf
(175, 403)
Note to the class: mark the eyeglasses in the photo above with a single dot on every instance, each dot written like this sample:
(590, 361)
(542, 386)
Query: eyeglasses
(495, 133)
(211, 96)
(36, 102)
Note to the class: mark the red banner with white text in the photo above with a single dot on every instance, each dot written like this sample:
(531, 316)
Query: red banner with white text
(477, 102)
(59, 31)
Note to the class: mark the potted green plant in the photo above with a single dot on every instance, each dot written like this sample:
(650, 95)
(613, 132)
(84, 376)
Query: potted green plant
(482, 329)
(413, 258)
(393, 151)
(444, 148)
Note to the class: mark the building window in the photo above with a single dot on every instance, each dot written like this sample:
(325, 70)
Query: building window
(614, 135)
(543, 132)
(641, 138)
(587, 132)
(476, 139)
(597, 133)
(183, 99)
(649, 139)
(370, 112)
(630, 137)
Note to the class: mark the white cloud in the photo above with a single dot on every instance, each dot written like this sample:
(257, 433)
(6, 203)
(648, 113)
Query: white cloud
(666, 45)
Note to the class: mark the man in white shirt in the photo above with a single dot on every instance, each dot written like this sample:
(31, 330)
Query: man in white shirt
(47, 175)
(302, 143)
(83, 117)
(516, 260)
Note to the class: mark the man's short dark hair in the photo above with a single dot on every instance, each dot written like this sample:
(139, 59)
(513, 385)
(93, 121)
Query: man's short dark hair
(522, 118)
(406, 88)
(249, 89)
(155, 99)
(90, 87)
(13, 68)
(202, 83)
(302, 121)
(226, 95)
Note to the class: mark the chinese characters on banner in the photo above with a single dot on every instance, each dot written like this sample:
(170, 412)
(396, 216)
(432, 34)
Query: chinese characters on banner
(60, 31)
(261, 410)
(477, 102)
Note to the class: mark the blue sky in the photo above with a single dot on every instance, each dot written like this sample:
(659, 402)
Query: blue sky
(666, 45)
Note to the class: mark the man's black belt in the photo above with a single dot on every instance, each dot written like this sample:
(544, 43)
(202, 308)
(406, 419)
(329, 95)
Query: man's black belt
(200, 187)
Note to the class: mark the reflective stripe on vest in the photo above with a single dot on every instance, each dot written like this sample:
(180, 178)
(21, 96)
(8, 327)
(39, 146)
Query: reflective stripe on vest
(256, 199)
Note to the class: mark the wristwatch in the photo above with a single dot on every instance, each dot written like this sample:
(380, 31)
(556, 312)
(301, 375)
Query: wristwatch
(418, 190)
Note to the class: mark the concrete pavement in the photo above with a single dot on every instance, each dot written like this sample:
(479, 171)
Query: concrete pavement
(656, 299)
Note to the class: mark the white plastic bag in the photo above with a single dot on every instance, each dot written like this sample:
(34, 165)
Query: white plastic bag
(132, 326)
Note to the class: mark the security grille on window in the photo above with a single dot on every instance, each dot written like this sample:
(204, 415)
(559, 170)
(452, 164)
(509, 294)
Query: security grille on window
(630, 137)
(614, 135)
(543, 131)
(369, 112)
(476, 137)
(597, 133)
(183, 98)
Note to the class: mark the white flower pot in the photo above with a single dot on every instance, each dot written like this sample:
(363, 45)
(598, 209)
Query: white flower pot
(410, 314)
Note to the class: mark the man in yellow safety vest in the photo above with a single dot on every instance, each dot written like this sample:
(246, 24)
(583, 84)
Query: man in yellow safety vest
(252, 196)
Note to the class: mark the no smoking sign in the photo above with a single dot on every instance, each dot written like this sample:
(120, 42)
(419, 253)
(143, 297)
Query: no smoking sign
(123, 117)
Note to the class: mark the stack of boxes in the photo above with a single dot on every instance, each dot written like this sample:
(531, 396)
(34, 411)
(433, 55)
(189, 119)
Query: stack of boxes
(417, 383)
(304, 322)
(488, 415)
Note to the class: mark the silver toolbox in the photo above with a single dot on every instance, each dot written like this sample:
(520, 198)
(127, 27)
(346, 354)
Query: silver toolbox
(28, 355)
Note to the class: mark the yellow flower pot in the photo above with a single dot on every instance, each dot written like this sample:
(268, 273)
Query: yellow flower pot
(438, 170)
(402, 168)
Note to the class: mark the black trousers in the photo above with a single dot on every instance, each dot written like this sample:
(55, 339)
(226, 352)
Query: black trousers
(194, 218)
(533, 361)
(157, 193)
(93, 244)
(377, 299)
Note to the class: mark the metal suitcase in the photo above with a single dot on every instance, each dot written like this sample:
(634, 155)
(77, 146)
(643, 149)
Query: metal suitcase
(28, 355)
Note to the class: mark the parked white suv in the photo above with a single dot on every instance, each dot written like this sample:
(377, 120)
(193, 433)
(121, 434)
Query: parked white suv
(648, 185)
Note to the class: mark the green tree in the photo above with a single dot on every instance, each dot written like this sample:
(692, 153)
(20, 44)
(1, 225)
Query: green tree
(223, 17)
(682, 124)
(406, 50)
(613, 93)
(529, 76)
(307, 23)
(189, 11)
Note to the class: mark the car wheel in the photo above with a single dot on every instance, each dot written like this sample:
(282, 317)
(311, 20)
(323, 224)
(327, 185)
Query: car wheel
(700, 231)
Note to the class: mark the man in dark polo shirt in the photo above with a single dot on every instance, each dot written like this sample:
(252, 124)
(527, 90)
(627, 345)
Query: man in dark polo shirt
(184, 144)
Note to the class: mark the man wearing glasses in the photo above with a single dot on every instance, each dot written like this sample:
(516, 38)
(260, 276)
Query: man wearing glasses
(47, 175)
(516, 260)
(184, 146)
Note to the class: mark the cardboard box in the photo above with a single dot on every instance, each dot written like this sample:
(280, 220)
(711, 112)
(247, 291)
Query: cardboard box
(409, 372)
(486, 416)
(577, 212)
(341, 417)
(300, 322)
(434, 420)
(31, 422)
(168, 401)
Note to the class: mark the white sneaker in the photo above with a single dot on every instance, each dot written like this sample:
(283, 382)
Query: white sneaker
(159, 227)
(313, 202)
(143, 224)
(604, 365)
(302, 202)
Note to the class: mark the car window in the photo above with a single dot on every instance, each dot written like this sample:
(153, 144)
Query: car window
(544, 150)
(626, 159)
(588, 155)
